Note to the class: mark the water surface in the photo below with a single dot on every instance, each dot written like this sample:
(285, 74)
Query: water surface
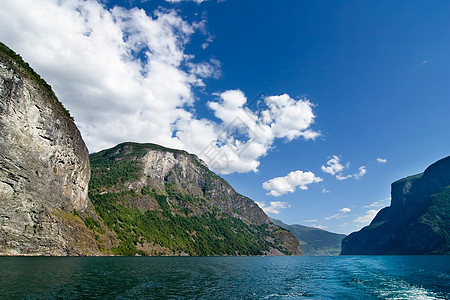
(347, 277)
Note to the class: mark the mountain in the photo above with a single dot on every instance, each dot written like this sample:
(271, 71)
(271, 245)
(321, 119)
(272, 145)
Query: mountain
(416, 222)
(162, 201)
(314, 241)
(148, 199)
(44, 169)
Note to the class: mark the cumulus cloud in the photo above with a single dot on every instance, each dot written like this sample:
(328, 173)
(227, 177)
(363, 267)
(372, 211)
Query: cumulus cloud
(120, 72)
(335, 168)
(282, 185)
(125, 76)
(381, 160)
(244, 135)
(273, 207)
(368, 217)
(345, 210)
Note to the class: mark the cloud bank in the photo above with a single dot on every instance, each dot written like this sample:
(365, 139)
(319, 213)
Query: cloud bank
(125, 76)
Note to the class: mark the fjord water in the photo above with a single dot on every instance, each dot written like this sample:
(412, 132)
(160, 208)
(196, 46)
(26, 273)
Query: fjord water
(348, 277)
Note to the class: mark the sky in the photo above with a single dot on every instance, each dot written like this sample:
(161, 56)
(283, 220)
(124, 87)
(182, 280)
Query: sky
(310, 108)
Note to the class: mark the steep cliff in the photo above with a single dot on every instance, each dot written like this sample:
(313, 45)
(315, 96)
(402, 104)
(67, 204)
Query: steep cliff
(166, 201)
(417, 222)
(44, 169)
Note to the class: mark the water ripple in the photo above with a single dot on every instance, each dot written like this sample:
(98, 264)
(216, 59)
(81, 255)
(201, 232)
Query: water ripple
(354, 277)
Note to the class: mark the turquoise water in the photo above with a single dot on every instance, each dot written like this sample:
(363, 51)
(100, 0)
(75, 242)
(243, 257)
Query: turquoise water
(348, 277)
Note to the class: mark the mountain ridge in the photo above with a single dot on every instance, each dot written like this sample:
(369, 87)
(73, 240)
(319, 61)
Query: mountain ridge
(153, 182)
(314, 241)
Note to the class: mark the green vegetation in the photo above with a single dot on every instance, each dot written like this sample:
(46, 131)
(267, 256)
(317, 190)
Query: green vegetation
(24, 66)
(209, 234)
(93, 225)
(176, 223)
(110, 173)
(438, 215)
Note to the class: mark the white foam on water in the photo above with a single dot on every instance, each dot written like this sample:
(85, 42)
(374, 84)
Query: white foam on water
(400, 289)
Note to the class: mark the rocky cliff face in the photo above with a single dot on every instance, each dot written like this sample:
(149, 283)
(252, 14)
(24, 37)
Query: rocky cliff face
(417, 222)
(44, 168)
(143, 182)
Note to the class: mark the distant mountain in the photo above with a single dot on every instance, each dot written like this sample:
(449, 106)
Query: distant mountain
(162, 201)
(417, 222)
(314, 241)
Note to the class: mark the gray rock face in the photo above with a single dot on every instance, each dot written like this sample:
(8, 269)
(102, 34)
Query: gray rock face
(191, 175)
(44, 169)
(417, 222)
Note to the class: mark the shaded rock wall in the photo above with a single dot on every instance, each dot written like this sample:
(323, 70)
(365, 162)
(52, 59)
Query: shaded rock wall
(417, 222)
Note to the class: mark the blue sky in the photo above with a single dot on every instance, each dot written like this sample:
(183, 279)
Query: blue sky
(356, 92)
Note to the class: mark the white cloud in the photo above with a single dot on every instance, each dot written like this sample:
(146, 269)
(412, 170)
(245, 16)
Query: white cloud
(325, 191)
(205, 69)
(376, 204)
(125, 76)
(381, 160)
(311, 221)
(120, 72)
(177, 1)
(281, 185)
(274, 206)
(361, 173)
(342, 177)
(334, 167)
(319, 226)
(339, 216)
(368, 217)
(335, 216)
